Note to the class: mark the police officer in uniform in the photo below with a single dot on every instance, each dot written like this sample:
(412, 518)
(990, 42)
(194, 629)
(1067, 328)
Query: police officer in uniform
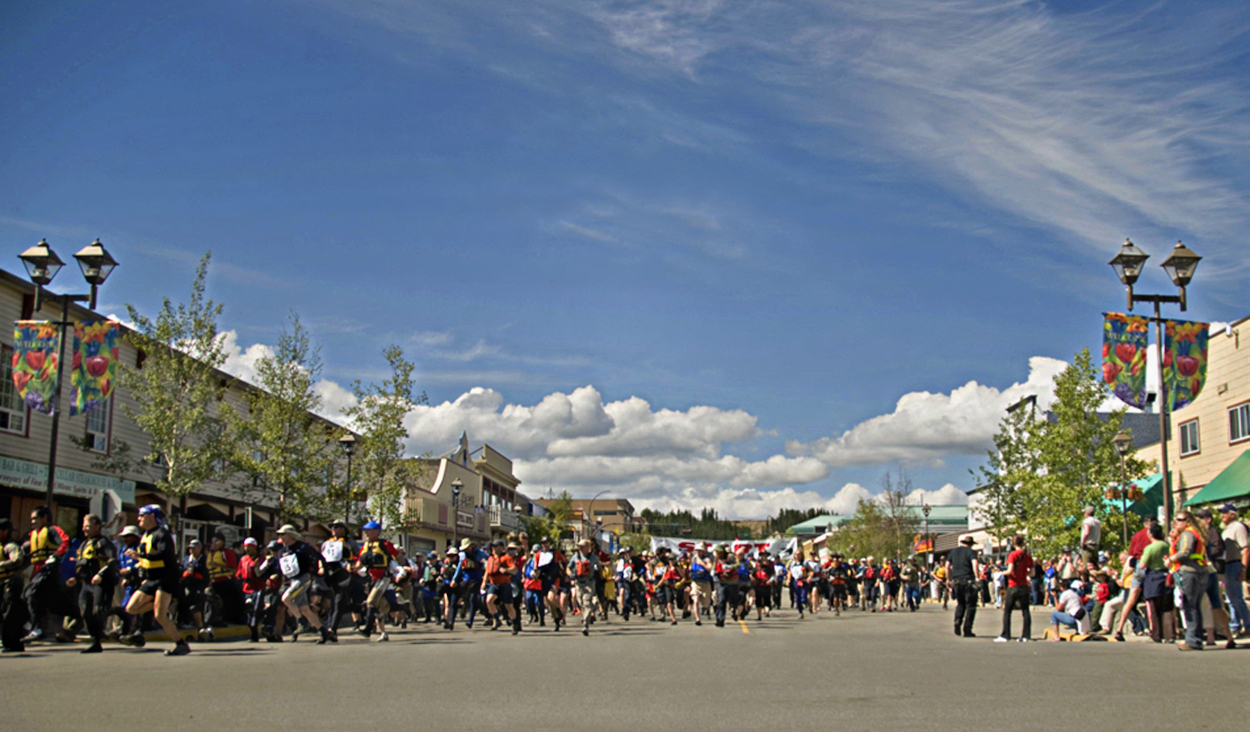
(159, 574)
(95, 576)
(13, 614)
(962, 569)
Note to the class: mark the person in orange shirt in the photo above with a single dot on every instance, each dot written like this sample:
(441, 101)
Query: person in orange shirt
(500, 567)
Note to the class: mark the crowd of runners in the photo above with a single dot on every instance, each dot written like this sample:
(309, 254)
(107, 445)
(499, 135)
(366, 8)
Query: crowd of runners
(119, 588)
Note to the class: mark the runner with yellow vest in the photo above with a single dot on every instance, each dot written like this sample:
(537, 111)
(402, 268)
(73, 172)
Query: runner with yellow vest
(375, 562)
(159, 571)
(46, 545)
(95, 576)
(225, 602)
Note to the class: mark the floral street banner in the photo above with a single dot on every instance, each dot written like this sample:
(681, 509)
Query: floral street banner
(95, 365)
(35, 347)
(1124, 339)
(1184, 360)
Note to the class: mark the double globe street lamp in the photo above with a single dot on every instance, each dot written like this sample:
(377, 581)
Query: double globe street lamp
(1180, 266)
(42, 265)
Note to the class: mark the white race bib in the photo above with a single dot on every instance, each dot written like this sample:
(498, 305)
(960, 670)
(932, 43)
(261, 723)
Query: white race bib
(332, 551)
(290, 565)
(796, 571)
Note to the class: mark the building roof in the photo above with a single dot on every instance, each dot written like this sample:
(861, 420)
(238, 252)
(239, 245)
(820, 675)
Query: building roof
(939, 517)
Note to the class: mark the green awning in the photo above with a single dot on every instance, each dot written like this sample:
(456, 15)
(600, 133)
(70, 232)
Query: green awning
(1232, 482)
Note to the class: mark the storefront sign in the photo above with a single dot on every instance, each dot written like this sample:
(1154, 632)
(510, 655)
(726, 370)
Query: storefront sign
(34, 476)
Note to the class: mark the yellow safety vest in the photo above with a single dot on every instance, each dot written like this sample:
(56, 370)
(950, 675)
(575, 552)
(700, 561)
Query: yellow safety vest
(41, 546)
(217, 565)
(145, 546)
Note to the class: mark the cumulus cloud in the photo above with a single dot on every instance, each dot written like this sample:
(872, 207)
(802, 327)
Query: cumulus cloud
(947, 495)
(241, 361)
(926, 426)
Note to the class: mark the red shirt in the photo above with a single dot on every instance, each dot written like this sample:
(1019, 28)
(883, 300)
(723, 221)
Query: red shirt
(247, 573)
(1021, 566)
(1138, 543)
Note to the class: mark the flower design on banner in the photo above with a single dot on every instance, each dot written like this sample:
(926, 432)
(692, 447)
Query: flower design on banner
(1184, 360)
(94, 368)
(35, 348)
(1124, 340)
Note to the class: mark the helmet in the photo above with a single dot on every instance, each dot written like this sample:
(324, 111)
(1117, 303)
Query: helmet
(372, 525)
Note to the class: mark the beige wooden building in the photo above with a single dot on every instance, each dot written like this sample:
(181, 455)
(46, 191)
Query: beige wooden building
(1209, 441)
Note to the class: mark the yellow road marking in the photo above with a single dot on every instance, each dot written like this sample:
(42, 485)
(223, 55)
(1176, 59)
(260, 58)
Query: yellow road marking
(744, 627)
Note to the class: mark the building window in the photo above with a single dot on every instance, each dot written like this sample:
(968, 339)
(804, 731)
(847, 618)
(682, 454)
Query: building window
(99, 420)
(1189, 438)
(13, 410)
(1239, 423)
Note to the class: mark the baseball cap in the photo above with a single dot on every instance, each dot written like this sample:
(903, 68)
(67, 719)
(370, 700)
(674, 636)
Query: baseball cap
(195, 542)
(1228, 508)
(372, 525)
(1203, 513)
(249, 541)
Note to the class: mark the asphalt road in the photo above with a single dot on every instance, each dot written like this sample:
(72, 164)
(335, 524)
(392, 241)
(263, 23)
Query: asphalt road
(859, 671)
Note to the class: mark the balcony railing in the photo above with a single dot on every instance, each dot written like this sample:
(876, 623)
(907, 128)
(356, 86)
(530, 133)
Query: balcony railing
(502, 517)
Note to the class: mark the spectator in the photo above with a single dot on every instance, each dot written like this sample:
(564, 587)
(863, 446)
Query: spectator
(1155, 589)
(1070, 611)
(1236, 556)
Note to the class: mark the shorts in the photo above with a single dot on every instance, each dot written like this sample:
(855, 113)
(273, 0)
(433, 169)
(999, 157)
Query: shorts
(763, 596)
(664, 595)
(1139, 575)
(168, 582)
(839, 592)
(320, 588)
(296, 592)
(502, 592)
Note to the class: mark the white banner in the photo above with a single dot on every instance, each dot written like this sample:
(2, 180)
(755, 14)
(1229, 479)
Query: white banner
(774, 546)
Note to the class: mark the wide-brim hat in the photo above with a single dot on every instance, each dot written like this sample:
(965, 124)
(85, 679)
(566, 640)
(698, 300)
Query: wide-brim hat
(465, 543)
(585, 542)
(131, 531)
(968, 540)
(290, 530)
(514, 545)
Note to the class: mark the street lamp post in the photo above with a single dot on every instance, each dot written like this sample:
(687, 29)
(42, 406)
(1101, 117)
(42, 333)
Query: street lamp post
(1180, 266)
(42, 265)
(928, 545)
(456, 486)
(1123, 443)
(348, 443)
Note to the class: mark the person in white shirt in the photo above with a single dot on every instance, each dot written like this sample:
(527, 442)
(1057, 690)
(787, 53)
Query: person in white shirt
(1070, 611)
(1091, 540)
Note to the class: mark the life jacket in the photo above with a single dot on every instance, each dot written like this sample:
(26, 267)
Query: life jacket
(9, 553)
(532, 581)
(582, 568)
(495, 573)
(145, 547)
(91, 556)
(42, 544)
(727, 571)
(870, 573)
(373, 555)
(1199, 555)
(219, 566)
(699, 571)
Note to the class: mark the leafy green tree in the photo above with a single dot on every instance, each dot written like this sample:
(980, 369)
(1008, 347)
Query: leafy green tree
(177, 390)
(1076, 462)
(1013, 461)
(379, 468)
(787, 517)
(555, 523)
(282, 451)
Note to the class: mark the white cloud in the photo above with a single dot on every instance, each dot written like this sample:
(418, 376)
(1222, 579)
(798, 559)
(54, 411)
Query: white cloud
(241, 362)
(947, 495)
(926, 426)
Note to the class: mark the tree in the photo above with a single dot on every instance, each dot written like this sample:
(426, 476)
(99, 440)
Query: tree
(1076, 461)
(378, 417)
(1012, 462)
(787, 517)
(555, 523)
(281, 450)
(177, 388)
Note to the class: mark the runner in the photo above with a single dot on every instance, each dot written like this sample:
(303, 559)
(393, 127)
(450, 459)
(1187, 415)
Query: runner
(584, 568)
(498, 588)
(535, 602)
(727, 594)
(337, 554)
(95, 576)
(298, 561)
(467, 581)
(46, 546)
(194, 580)
(763, 579)
(13, 611)
(551, 570)
(837, 584)
(224, 602)
(664, 577)
(158, 567)
(871, 588)
(799, 579)
(375, 562)
(701, 594)
(253, 586)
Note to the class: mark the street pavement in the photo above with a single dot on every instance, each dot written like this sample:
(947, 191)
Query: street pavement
(858, 671)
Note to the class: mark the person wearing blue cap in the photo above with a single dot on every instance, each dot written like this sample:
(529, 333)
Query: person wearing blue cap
(1236, 540)
(159, 574)
(376, 554)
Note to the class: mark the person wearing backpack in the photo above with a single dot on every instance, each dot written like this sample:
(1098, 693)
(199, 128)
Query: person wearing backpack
(1236, 539)
(584, 568)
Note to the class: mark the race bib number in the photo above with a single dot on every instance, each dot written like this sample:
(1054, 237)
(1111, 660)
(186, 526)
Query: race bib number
(332, 551)
(290, 565)
(796, 572)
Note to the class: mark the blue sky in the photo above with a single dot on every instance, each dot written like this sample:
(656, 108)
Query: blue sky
(740, 255)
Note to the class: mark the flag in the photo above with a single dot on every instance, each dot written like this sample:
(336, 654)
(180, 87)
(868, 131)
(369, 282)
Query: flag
(1124, 339)
(1184, 361)
(35, 347)
(94, 365)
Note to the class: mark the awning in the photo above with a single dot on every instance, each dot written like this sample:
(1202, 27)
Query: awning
(1232, 482)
